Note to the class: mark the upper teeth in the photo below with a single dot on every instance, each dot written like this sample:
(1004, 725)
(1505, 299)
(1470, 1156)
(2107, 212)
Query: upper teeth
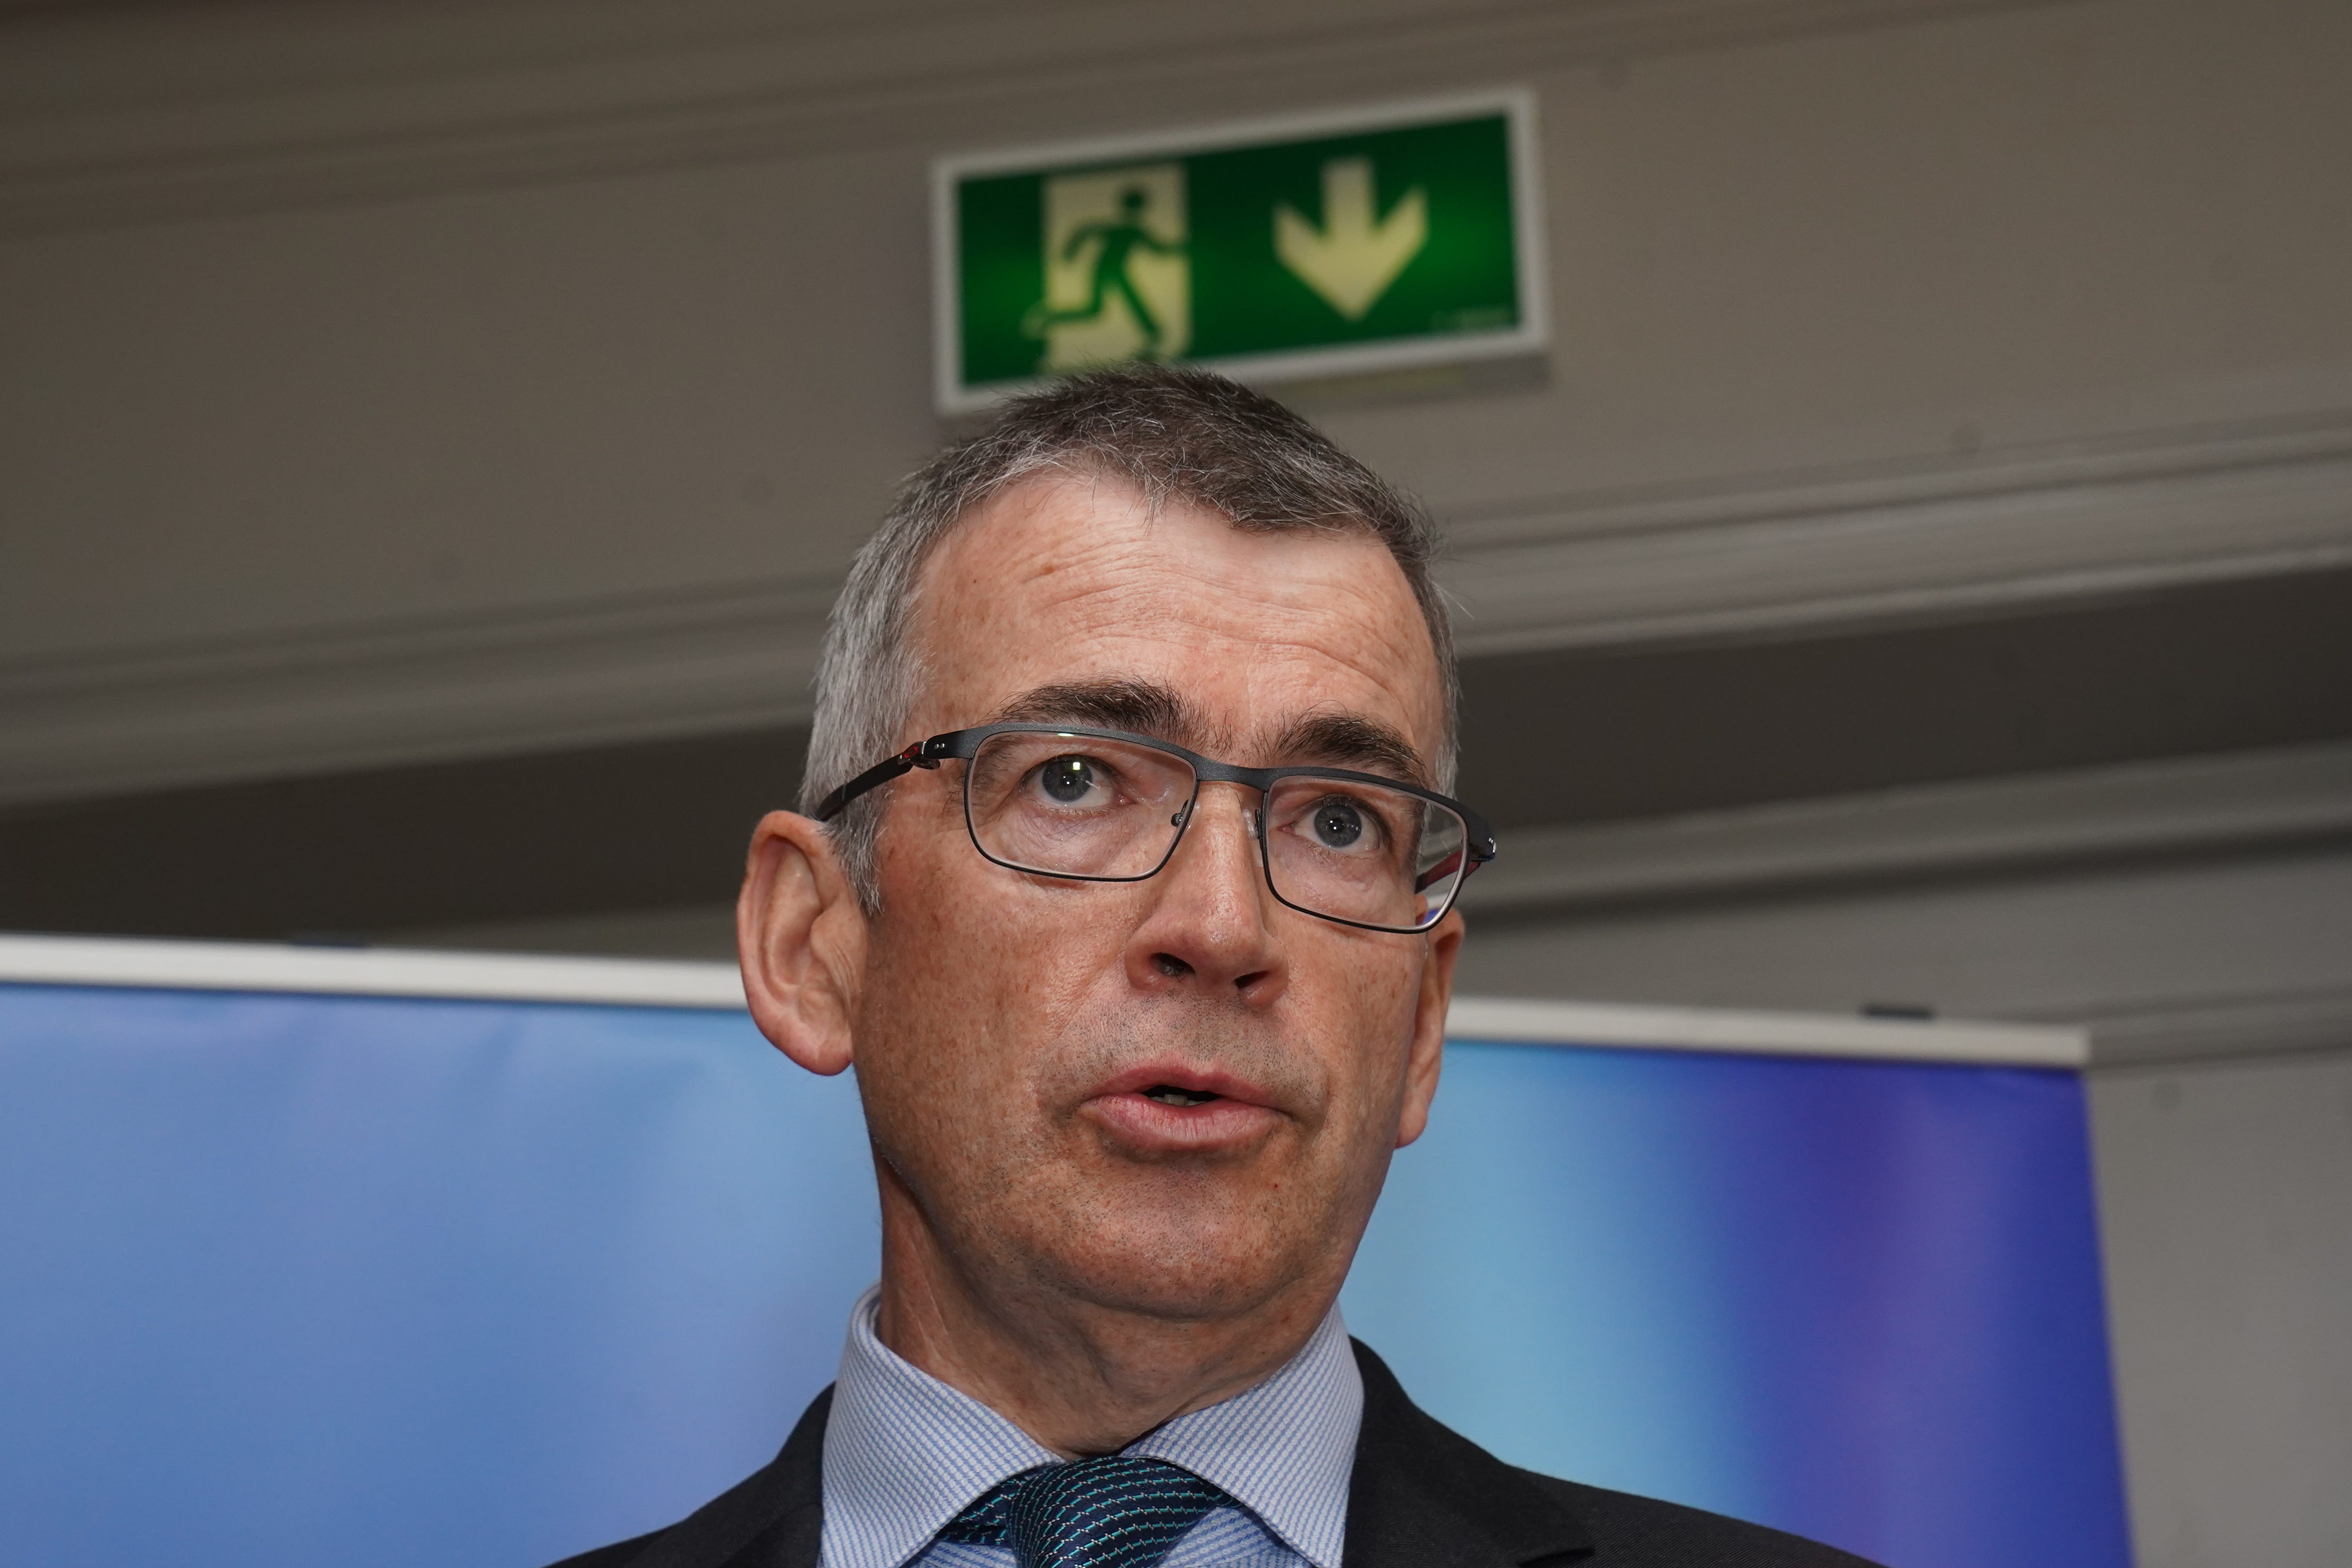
(1167, 1095)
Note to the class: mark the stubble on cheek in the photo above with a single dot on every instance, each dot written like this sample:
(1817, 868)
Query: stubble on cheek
(948, 1061)
(987, 1127)
(1179, 1234)
(990, 1021)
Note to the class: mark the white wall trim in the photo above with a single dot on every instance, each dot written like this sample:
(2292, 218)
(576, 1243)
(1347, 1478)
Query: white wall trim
(161, 116)
(648, 982)
(1876, 542)
(1505, 1019)
(2238, 802)
(366, 972)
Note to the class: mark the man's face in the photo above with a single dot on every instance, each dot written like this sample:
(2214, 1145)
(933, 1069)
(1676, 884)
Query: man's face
(1010, 1025)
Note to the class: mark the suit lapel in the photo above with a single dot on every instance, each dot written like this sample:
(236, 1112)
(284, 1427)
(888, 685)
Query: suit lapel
(1420, 1496)
(1423, 1496)
(774, 1519)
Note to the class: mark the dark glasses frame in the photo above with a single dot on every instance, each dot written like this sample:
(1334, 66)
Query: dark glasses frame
(962, 745)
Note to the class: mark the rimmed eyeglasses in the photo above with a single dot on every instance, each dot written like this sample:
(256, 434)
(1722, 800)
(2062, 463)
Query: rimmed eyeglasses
(1104, 806)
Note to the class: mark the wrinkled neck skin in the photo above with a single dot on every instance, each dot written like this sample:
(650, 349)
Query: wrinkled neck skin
(1081, 1377)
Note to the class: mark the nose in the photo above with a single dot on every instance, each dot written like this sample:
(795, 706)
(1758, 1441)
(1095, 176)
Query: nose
(1209, 926)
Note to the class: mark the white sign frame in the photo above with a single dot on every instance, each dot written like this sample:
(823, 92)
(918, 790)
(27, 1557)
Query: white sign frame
(1531, 334)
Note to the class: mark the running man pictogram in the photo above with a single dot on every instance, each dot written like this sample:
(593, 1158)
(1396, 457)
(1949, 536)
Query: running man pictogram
(1116, 241)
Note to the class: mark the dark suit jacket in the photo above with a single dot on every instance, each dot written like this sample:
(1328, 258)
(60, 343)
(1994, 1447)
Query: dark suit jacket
(1420, 1496)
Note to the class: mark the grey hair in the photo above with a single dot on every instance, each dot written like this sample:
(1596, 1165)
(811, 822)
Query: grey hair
(1173, 435)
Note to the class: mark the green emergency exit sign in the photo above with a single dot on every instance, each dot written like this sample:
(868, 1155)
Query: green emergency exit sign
(1325, 246)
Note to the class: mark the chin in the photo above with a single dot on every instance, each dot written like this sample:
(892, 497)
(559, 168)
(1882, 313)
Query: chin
(1180, 1253)
(1216, 1291)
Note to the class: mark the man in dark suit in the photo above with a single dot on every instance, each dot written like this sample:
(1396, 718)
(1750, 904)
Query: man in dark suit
(1127, 880)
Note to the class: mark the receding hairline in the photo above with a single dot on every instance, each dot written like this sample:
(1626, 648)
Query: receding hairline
(959, 530)
(1163, 432)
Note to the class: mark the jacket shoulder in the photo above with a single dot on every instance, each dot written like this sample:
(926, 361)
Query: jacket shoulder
(619, 1554)
(772, 1519)
(1423, 1494)
(1631, 1532)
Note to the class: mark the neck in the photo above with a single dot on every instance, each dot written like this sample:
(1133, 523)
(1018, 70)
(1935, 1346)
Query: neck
(1080, 1376)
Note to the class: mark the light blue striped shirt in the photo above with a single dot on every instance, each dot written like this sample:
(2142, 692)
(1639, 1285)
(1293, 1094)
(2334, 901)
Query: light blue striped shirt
(904, 1454)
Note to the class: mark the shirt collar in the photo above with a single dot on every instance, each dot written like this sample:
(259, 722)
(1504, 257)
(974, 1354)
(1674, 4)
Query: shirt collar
(904, 1452)
(1284, 1449)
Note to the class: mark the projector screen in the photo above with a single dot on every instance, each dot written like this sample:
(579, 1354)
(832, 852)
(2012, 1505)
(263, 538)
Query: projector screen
(375, 1280)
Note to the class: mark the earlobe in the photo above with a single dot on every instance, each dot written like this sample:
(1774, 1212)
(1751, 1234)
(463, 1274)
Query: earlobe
(1427, 1054)
(799, 934)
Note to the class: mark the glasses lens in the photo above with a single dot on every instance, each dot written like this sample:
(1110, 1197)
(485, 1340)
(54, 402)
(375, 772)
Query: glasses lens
(1074, 805)
(1364, 853)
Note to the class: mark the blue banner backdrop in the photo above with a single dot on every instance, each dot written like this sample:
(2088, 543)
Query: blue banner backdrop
(298, 1279)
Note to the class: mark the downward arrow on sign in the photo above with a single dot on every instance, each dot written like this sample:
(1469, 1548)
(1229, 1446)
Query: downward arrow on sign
(1351, 260)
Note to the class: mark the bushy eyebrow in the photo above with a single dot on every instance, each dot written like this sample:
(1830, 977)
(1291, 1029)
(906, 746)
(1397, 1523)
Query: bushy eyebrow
(1141, 707)
(1148, 707)
(1353, 741)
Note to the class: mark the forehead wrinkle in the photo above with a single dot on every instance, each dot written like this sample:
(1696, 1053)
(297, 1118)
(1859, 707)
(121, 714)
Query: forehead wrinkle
(1356, 732)
(1092, 571)
(1108, 586)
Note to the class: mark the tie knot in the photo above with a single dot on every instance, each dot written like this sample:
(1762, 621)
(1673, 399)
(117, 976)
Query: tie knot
(1112, 1512)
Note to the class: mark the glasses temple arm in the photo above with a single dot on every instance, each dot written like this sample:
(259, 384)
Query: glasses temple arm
(874, 777)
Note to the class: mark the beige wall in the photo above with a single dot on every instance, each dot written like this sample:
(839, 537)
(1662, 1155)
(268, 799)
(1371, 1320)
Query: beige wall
(2224, 1193)
(382, 384)
(414, 386)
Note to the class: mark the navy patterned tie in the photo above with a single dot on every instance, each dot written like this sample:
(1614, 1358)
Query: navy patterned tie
(1112, 1512)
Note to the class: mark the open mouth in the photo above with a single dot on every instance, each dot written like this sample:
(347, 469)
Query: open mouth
(1174, 1107)
(1168, 1094)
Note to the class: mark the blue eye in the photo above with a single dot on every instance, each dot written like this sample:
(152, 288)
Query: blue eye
(1066, 779)
(1337, 825)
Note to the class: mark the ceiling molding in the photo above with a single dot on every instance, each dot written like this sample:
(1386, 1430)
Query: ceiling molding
(2241, 802)
(1900, 542)
(2217, 1029)
(484, 684)
(179, 114)
(1880, 544)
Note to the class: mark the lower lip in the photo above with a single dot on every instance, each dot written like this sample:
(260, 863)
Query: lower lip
(1152, 1124)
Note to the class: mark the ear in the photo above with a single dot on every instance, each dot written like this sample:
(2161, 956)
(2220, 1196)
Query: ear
(1428, 1053)
(801, 936)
